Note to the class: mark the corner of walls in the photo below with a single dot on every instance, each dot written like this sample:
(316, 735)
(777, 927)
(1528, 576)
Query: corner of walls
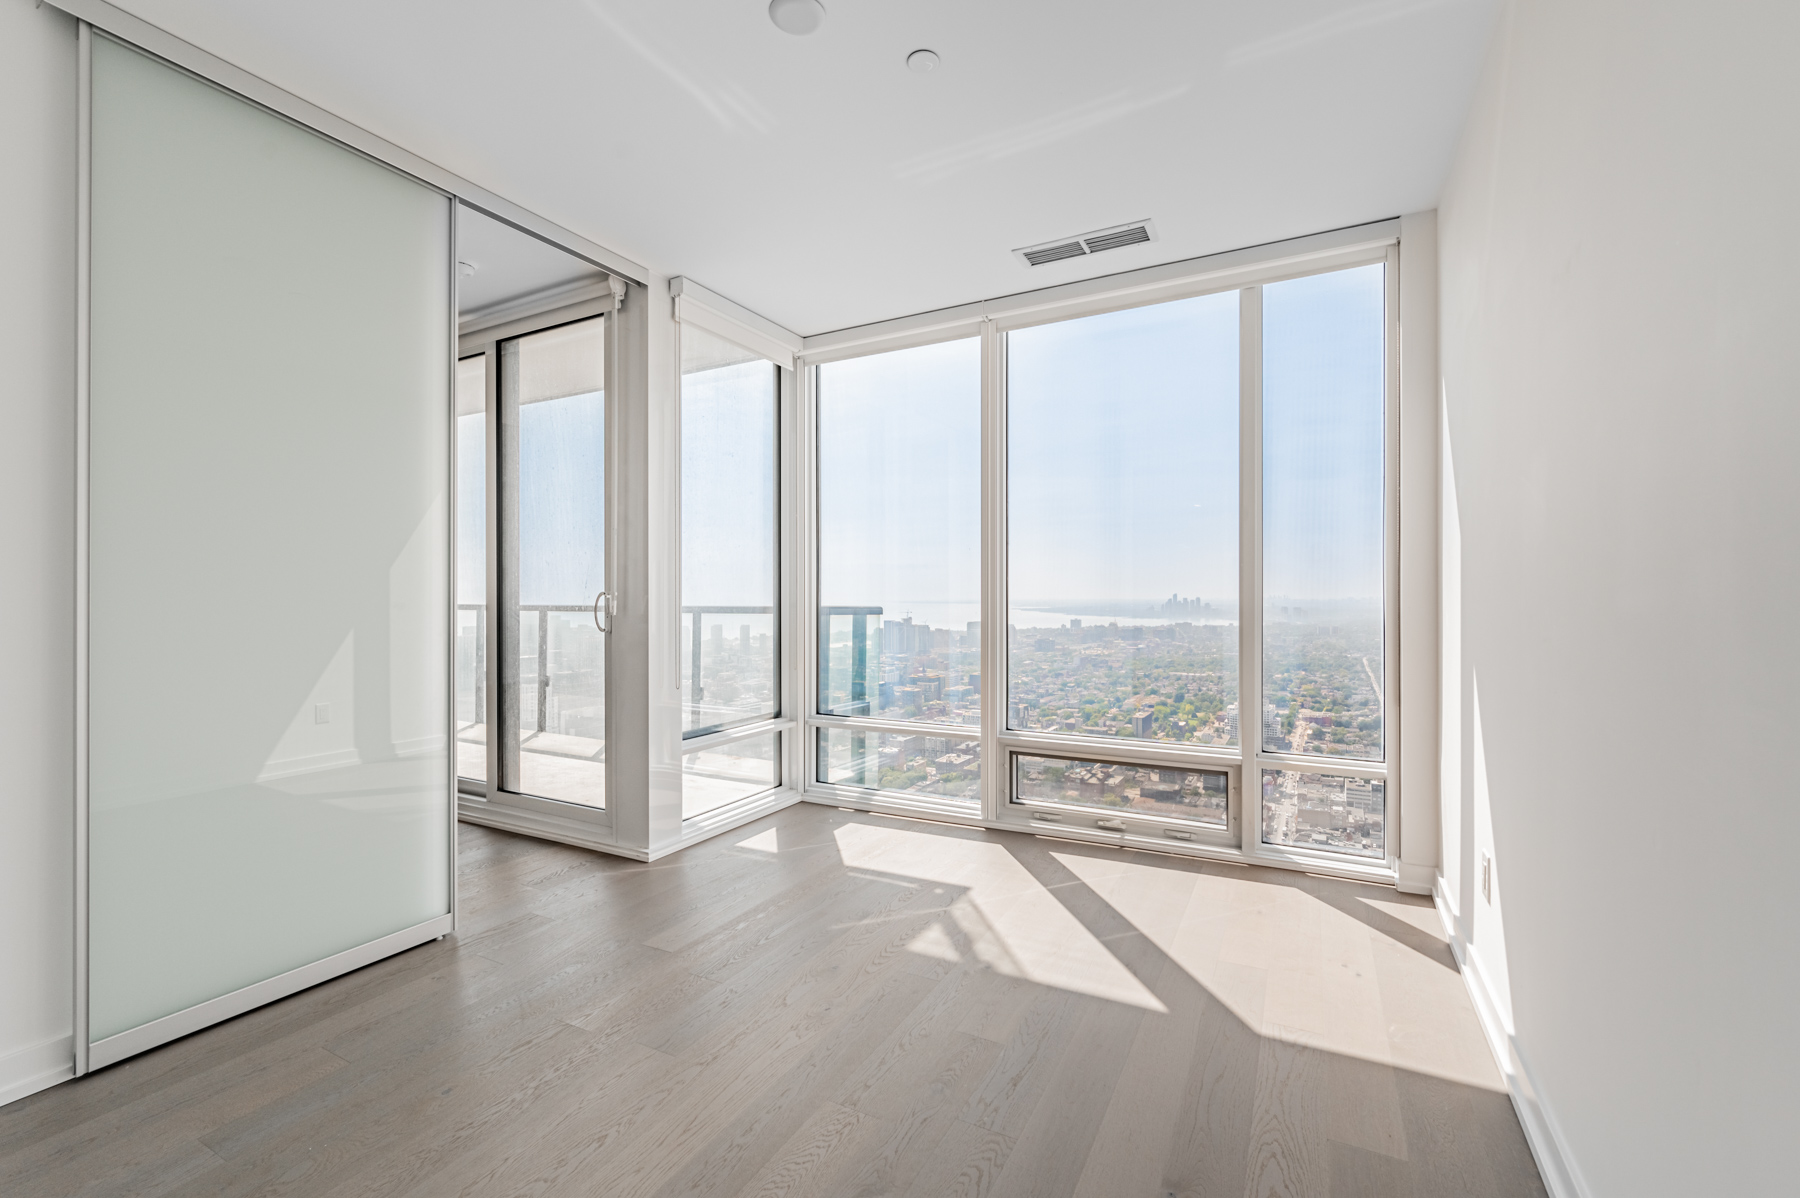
(1549, 1148)
(37, 542)
(1419, 669)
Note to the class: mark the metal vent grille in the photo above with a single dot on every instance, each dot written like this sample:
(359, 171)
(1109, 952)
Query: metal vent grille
(1054, 253)
(1112, 241)
(1100, 240)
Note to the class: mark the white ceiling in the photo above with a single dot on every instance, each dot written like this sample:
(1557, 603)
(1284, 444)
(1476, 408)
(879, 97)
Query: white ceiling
(817, 181)
(498, 264)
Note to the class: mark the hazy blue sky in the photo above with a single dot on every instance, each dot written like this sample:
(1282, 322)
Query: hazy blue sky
(1323, 372)
(1123, 456)
(1123, 436)
(900, 478)
(728, 485)
(562, 499)
(562, 493)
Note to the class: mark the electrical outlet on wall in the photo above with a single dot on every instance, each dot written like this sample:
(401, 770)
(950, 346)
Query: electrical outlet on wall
(1487, 879)
(321, 713)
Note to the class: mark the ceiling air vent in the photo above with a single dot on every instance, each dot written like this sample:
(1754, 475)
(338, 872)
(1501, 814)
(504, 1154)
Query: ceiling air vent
(1114, 238)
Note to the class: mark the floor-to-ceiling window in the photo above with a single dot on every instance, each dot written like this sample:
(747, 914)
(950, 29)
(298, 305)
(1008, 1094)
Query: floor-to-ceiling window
(1189, 509)
(1324, 503)
(898, 650)
(730, 631)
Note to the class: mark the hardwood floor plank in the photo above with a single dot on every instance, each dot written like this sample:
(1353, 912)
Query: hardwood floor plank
(1288, 1153)
(966, 1166)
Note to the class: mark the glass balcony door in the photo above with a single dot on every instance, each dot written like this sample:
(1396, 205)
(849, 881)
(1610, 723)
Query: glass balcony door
(554, 609)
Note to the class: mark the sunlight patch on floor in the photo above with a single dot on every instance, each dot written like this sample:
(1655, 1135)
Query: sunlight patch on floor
(1294, 967)
(1013, 923)
(934, 942)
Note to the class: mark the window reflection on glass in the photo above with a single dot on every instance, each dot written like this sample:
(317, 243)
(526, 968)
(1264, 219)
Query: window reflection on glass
(728, 538)
(1198, 795)
(471, 568)
(899, 620)
(718, 777)
(559, 697)
(1325, 811)
(1324, 380)
(918, 763)
(1122, 450)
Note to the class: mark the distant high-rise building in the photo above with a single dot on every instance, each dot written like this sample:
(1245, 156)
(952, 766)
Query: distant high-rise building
(1143, 723)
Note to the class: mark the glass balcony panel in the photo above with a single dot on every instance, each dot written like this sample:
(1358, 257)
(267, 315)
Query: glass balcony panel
(1324, 386)
(1324, 811)
(900, 534)
(1122, 450)
(1196, 795)
(715, 778)
(918, 763)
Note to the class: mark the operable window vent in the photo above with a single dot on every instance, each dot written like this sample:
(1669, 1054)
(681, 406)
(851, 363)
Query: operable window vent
(1099, 240)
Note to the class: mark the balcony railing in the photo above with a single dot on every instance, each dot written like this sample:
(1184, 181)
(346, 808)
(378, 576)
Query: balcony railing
(540, 675)
(755, 678)
(844, 684)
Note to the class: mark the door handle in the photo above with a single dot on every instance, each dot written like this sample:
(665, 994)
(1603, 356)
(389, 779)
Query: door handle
(603, 597)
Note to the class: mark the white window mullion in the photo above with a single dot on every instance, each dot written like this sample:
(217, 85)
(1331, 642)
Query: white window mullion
(805, 654)
(1249, 806)
(996, 770)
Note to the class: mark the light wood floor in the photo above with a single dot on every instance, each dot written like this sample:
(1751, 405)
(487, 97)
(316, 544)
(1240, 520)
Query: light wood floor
(836, 1004)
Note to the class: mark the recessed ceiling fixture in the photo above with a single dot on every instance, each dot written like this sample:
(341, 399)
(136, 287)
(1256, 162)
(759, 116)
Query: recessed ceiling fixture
(1079, 246)
(798, 17)
(465, 269)
(922, 62)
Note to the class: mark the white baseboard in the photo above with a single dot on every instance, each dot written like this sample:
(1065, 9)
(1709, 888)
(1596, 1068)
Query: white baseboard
(583, 835)
(544, 827)
(1556, 1164)
(38, 1067)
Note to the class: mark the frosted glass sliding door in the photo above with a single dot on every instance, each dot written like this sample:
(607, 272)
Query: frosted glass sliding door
(269, 782)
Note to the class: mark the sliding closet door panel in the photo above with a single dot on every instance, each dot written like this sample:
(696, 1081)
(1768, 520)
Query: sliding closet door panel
(268, 546)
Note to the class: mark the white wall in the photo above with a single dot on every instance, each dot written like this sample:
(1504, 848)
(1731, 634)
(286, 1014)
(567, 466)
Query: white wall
(37, 547)
(1621, 370)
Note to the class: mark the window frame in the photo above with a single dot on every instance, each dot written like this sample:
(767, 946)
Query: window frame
(1243, 272)
(568, 817)
(787, 688)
